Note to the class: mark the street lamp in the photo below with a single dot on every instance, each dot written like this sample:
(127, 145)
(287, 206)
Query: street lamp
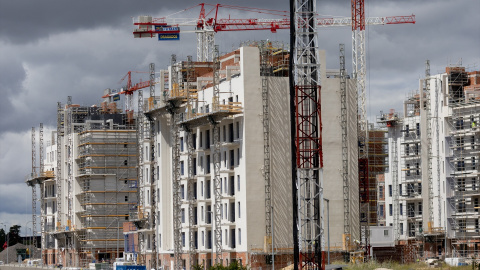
(328, 228)
(32, 254)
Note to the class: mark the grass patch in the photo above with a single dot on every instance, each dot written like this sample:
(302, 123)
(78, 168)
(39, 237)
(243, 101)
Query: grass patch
(397, 266)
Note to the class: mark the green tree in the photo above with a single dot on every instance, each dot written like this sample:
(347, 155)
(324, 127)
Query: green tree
(14, 235)
(233, 266)
(3, 239)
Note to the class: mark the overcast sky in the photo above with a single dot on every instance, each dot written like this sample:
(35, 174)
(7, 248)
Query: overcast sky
(52, 49)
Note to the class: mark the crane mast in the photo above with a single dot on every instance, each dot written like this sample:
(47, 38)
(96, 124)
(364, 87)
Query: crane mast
(307, 169)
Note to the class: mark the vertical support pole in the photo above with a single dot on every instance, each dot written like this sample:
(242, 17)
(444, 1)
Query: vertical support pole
(60, 130)
(175, 141)
(141, 182)
(191, 198)
(42, 198)
(218, 193)
(266, 140)
(307, 135)
(34, 189)
(343, 124)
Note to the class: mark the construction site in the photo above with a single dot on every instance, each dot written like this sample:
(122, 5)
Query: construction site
(262, 156)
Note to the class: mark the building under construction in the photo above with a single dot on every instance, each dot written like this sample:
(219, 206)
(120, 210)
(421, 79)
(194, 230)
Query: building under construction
(87, 184)
(432, 187)
(215, 177)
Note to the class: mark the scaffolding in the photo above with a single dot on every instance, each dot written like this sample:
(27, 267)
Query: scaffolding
(343, 124)
(393, 124)
(377, 160)
(107, 162)
(463, 155)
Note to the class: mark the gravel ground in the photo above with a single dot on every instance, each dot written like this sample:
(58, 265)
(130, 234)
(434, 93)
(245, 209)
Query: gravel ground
(12, 253)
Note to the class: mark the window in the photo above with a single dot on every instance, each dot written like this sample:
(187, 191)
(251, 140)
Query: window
(183, 239)
(380, 193)
(476, 205)
(473, 163)
(385, 232)
(420, 208)
(407, 149)
(459, 123)
(382, 211)
(462, 225)
(401, 228)
(390, 210)
(390, 191)
(202, 213)
(417, 149)
(224, 133)
(408, 170)
(419, 188)
(461, 207)
(126, 198)
(461, 165)
(182, 167)
(407, 130)
(239, 236)
(146, 153)
(207, 188)
(239, 210)
(182, 191)
(158, 149)
(411, 209)
(201, 139)
(207, 165)
(417, 165)
(183, 215)
(238, 182)
(461, 184)
(238, 130)
(401, 209)
(158, 173)
(418, 128)
(201, 188)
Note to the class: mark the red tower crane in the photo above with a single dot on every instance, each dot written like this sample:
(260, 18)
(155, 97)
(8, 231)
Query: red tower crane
(129, 89)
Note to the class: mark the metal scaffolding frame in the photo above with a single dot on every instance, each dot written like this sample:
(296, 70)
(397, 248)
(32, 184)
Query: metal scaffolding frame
(175, 141)
(343, 124)
(216, 157)
(463, 180)
(153, 182)
(107, 177)
(411, 167)
(191, 100)
(307, 169)
(264, 73)
(34, 191)
(58, 178)
(429, 124)
(42, 196)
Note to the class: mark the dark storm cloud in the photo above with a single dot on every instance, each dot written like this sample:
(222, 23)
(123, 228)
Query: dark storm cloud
(52, 49)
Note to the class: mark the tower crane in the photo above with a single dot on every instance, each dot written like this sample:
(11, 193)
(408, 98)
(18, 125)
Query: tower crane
(169, 28)
(130, 88)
